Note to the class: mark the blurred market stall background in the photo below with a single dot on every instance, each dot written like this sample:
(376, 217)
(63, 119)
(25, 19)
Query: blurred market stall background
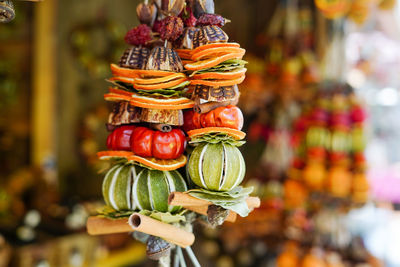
(322, 105)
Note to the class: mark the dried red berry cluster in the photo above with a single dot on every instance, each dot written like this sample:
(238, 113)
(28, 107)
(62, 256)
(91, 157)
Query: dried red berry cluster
(139, 35)
(171, 28)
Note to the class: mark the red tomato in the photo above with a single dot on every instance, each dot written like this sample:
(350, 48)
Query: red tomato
(169, 145)
(148, 143)
(119, 139)
(141, 141)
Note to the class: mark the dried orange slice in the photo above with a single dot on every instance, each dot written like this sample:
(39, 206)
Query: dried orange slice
(160, 101)
(134, 73)
(114, 90)
(228, 75)
(117, 97)
(121, 95)
(219, 83)
(123, 79)
(158, 164)
(159, 85)
(160, 80)
(141, 104)
(161, 164)
(104, 155)
(207, 46)
(184, 53)
(236, 134)
(184, 62)
(216, 51)
(211, 62)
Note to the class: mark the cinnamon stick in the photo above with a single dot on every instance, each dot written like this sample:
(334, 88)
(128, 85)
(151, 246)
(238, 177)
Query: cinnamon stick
(189, 202)
(168, 232)
(101, 226)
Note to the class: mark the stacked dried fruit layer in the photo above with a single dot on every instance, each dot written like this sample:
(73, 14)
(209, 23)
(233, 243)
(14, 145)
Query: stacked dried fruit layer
(151, 89)
(215, 68)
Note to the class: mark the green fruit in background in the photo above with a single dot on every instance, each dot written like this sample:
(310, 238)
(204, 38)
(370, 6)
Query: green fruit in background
(216, 167)
(128, 187)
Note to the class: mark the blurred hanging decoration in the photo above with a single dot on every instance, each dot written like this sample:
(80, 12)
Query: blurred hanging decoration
(355, 10)
(329, 146)
(178, 78)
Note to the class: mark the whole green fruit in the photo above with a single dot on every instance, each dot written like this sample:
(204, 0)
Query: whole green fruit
(128, 187)
(216, 167)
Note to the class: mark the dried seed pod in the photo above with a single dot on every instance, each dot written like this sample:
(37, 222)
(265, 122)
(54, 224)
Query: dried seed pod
(186, 42)
(175, 7)
(218, 94)
(203, 6)
(146, 13)
(135, 58)
(164, 116)
(157, 248)
(7, 12)
(209, 34)
(163, 58)
(216, 215)
(123, 113)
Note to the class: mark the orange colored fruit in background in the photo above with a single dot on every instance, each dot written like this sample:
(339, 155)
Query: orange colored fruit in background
(314, 175)
(295, 194)
(287, 259)
(339, 181)
(311, 260)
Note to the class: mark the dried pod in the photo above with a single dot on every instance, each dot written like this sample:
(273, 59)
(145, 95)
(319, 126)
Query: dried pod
(218, 94)
(123, 113)
(146, 13)
(209, 34)
(203, 6)
(164, 116)
(175, 6)
(216, 215)
(163, 58)
(157, 248)
(135, 58)
(187, 37)
(7, 12)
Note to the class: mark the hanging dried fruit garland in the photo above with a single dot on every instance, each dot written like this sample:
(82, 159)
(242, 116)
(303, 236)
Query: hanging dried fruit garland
(178, 78)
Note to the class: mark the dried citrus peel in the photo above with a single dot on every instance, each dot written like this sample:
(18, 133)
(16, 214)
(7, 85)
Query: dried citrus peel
(153, 163)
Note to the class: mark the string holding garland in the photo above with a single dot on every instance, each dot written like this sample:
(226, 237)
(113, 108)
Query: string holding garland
(176, 82)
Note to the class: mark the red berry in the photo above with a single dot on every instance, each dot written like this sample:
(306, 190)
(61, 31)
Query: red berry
(157, 26)
(139, 35)
(171, 28)
(210, 19)
(188, 18)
